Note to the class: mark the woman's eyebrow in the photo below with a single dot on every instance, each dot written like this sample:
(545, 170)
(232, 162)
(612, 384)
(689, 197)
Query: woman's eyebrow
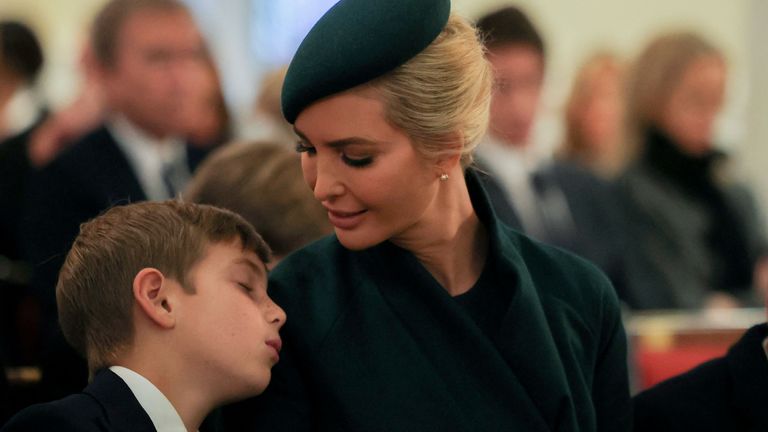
(339, 143)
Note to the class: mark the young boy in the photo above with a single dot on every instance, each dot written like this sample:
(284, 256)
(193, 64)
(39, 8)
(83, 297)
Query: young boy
(168, 303)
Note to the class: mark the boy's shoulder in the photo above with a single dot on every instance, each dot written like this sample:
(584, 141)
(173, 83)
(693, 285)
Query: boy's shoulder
(78, 412)
(107, 404)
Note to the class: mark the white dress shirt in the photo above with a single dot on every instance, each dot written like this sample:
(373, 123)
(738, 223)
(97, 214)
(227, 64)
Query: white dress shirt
(513, 168)
(159, 409)
(149, 156)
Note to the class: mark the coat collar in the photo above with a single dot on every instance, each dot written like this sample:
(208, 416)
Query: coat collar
(538, 388)
(120, 405)
(749, 369)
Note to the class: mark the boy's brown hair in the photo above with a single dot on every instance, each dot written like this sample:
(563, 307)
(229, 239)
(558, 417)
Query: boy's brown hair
(94, 293)
(262, 181)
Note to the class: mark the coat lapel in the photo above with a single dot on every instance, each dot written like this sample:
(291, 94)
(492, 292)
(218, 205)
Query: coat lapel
(473, 373)
(520, 374)
(123, 411)
(525, 339)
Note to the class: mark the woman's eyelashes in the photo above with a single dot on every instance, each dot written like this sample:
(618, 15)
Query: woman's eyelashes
(355, 162)
(302, 147)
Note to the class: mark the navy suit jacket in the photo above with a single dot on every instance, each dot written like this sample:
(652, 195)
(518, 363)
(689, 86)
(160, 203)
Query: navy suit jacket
(726, 394)
(107, 404)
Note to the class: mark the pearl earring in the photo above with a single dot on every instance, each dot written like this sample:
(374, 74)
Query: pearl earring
(443, 177)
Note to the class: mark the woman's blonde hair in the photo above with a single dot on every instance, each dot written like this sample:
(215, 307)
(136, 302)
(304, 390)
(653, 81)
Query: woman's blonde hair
(656, 72)
(442, 94)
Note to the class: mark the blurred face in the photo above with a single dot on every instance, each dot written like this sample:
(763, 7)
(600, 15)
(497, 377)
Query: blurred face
(204, 120)
(158, 54)
(599, 111)
(365, 172)
(518, 74)
(229, 326)
(689, 113)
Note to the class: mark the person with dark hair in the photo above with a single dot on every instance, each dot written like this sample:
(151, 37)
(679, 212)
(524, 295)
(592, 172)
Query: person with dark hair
(423, 312)
(557, 202)
(21, 60)
(145, 53)
(21, 110)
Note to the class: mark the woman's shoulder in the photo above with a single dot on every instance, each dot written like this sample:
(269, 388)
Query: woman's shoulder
(564, 277)
(315, 282)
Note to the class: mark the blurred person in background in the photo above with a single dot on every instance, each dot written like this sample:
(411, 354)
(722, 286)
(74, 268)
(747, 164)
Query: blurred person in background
(68, 124)
(146, 53)
(695, 233)
(21, 60)
(262, 181)
(267, 121)
(20, 156)
(594, 114)
(557, 202)
(209, 123)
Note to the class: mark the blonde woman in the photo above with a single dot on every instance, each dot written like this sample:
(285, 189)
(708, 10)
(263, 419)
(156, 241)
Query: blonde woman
(423, 311)
(594, 116)
(695, 232)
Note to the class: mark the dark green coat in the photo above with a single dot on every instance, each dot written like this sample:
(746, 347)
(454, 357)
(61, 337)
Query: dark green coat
(374, 343)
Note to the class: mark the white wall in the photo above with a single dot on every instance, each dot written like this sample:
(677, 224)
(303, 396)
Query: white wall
(60, 25)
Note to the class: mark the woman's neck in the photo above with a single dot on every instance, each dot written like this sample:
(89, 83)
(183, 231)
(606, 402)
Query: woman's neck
(450, 241)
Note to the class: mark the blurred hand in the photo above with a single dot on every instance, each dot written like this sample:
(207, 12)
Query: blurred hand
(67, 125)
(721, 300)
(760, 278)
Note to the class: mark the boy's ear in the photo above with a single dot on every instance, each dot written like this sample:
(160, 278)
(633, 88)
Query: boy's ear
(152, 293)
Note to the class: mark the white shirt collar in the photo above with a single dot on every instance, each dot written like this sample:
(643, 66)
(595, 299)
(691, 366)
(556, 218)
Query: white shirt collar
(159, 409)
(513, 168)
(147, 155)
(21, 111)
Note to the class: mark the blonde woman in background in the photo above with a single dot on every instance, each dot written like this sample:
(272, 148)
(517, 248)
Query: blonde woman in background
(695, 235)
(594, 116)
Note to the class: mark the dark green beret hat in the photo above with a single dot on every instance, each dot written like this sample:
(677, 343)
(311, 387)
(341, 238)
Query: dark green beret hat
(357, 41)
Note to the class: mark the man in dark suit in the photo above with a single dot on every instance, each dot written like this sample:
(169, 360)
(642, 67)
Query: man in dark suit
(555, 202)
(728, 393)
(146, 52)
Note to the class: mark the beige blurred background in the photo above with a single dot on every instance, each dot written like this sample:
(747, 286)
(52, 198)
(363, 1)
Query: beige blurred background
(572, 29)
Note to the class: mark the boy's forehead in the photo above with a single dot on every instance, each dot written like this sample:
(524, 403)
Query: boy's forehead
(234, 253)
